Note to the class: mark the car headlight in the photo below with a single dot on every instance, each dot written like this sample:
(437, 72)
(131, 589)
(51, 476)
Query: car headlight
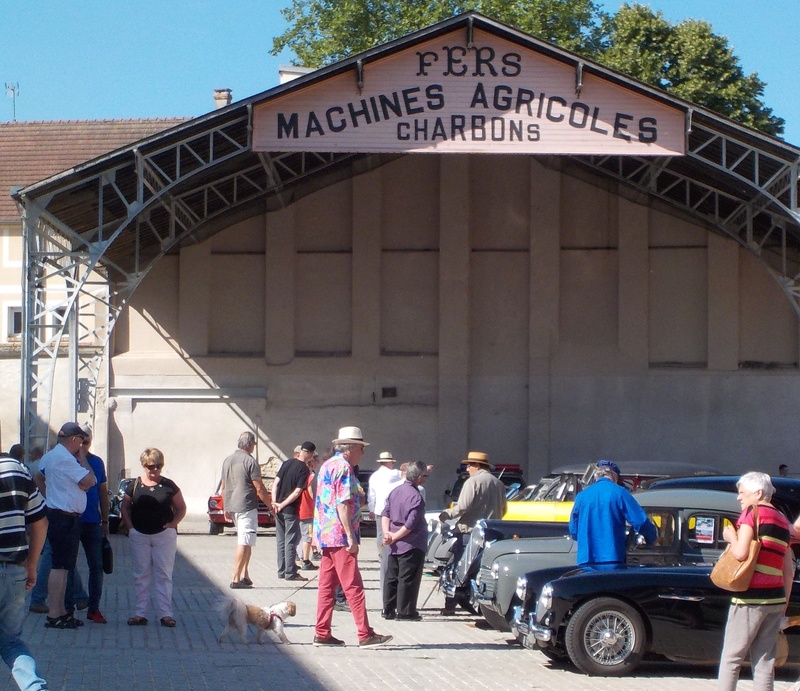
(545, 602)
(522, 588)
(496, 570)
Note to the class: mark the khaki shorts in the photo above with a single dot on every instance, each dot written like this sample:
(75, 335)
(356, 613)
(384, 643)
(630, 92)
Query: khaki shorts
(246, 526)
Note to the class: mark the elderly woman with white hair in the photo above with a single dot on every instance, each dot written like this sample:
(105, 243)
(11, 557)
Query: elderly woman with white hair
(754, 617)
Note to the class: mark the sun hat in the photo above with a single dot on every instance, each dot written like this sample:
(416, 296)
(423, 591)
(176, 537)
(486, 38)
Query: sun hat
(350, 435)
(477, 457)
(385, 457)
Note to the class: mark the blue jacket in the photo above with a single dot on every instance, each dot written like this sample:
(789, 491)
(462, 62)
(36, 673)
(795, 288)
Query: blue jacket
(598, 522)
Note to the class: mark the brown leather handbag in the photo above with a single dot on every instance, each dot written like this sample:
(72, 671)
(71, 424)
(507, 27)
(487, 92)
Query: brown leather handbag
(731, 574)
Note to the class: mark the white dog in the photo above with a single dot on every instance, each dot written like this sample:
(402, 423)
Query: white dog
(239, 615)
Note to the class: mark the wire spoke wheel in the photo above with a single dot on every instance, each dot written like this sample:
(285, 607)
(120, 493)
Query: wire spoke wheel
(606, 637)
(609, 638)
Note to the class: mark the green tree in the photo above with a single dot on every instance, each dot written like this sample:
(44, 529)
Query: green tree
(324, 31)
(690, 61)
(686, 59)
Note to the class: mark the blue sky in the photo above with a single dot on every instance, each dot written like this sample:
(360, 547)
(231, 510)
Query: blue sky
(98, 59)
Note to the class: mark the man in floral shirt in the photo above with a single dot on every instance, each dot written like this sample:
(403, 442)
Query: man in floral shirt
(336, 530)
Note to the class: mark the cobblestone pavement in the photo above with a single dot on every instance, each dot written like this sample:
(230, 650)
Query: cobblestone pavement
(435, 653)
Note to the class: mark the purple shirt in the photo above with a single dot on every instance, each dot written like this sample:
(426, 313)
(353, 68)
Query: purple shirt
(406, 507)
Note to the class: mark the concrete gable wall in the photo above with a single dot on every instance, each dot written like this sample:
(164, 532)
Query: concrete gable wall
(448, 303)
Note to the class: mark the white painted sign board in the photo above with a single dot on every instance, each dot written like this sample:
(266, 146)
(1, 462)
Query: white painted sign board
(441, 97)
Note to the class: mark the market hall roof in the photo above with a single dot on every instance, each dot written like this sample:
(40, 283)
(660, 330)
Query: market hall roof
(30, 151)
(184, 184)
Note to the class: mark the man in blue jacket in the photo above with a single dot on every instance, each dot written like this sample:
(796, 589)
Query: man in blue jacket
(598, 519)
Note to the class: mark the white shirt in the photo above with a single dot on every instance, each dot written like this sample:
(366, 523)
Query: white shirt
(62, 472)
(381, 482)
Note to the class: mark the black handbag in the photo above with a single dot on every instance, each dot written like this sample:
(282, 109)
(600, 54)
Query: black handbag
(108, 557)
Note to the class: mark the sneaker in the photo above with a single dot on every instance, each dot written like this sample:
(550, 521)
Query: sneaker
(308, 566)
(97, 617)
(39, 609)
(296, 577)
(329, 640)
(341, 607)
(374, 639)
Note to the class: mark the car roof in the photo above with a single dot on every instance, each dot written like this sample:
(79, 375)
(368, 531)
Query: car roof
(689, 499)
(654, 468)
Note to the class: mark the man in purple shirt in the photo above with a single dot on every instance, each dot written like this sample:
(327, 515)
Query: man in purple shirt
(406, 534)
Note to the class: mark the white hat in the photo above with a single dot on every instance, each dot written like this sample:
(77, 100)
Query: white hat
(385, 457)
(350, 435)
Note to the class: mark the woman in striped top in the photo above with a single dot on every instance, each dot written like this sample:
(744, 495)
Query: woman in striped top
(754, 617)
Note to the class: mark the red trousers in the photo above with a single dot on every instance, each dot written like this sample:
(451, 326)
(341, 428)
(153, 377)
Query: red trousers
(338, 566)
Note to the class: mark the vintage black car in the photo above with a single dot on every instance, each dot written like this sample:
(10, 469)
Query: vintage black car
(786, 497)
(607, 622)
(689, 524)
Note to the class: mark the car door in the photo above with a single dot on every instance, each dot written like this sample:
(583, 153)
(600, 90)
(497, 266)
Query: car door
(701, 535)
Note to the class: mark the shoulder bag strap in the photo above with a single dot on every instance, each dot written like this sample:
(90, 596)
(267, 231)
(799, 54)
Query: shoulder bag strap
(755, 523)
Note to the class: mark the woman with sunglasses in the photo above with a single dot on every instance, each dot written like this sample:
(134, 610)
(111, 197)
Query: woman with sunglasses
(151, 510)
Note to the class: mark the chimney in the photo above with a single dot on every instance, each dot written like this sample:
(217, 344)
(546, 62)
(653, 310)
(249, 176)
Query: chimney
(222, 98)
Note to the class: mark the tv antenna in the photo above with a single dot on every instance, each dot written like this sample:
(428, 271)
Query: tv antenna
(12, 91)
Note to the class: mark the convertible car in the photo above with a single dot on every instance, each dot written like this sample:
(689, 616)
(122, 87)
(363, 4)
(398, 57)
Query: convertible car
(689, 524)
(607, 622)
(551, 498)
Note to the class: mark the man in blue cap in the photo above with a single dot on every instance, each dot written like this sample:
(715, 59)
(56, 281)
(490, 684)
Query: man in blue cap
(598, 519)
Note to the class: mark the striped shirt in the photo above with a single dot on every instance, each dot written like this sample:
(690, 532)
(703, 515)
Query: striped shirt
(20, 504)
(766, 588)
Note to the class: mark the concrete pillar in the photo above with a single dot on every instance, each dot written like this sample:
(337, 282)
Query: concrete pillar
(545, 258)
(723, 303)
(634, 257)
(454, 273)
(194, 298)
(279, 282)
(366, 263)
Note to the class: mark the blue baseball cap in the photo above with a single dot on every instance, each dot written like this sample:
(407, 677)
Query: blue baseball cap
(611, 466)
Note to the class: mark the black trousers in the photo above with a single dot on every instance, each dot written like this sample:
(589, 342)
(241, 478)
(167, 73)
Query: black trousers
(403, 578)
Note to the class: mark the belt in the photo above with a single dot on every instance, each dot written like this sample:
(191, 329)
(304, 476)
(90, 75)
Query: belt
(68, 513)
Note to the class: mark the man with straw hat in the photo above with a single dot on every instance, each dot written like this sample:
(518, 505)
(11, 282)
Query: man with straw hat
(336, 529)
(381, 482)
(482, 496)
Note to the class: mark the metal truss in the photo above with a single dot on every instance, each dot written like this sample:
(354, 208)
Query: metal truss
(757, 205)
(93, 234)
(141, 209)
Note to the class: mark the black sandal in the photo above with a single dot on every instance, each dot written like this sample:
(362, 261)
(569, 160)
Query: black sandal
(66, 621)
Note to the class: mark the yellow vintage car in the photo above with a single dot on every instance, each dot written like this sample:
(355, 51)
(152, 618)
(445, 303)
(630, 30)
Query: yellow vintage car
(551, 498)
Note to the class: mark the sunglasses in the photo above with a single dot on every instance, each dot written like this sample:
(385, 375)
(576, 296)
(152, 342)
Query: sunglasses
(154, 467)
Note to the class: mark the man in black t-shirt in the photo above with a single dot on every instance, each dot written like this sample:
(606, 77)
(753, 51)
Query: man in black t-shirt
(292, 479)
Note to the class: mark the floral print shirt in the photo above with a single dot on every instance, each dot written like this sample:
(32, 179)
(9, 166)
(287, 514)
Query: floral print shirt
(336, 484)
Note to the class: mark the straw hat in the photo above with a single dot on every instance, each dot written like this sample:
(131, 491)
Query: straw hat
(477, 457)
(385, 457)
(350, 435)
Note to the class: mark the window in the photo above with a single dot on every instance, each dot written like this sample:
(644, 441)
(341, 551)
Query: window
(14, 331)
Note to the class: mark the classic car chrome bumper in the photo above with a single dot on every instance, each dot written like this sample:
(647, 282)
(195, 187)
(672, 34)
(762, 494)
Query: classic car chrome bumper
(529, 632)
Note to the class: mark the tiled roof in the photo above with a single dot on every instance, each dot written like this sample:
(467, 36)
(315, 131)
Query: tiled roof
(32, 151)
